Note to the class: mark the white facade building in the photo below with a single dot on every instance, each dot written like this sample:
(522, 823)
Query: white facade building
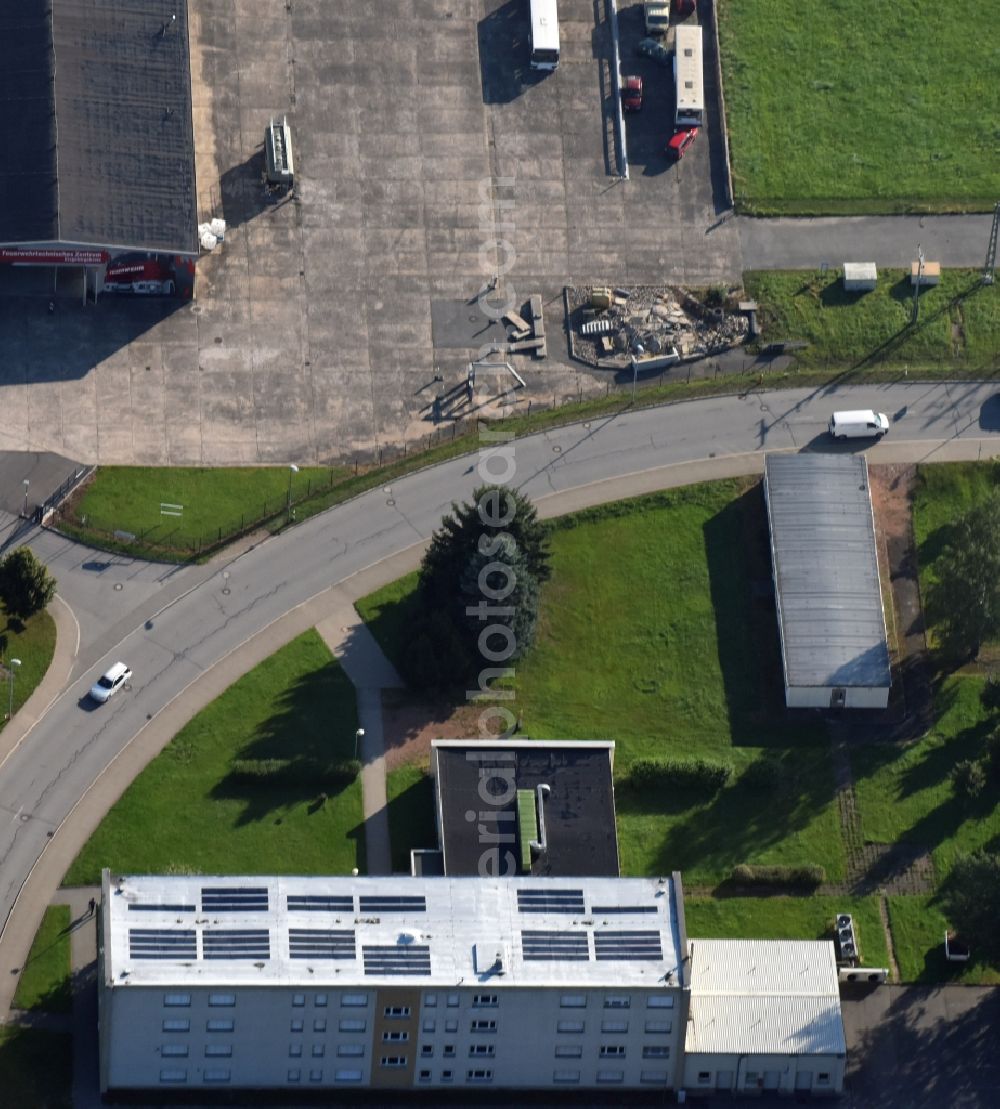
(339, 983)
(764, 1017)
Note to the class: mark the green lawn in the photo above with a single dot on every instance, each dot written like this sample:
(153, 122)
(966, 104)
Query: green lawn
(905, 794)
(787, 918)
(836, 107)
(33, 644)
(918, 928)
(648, 635)
(45, 978)
(188, 813)
(36, 1069)
(410, 797)
(958, 326)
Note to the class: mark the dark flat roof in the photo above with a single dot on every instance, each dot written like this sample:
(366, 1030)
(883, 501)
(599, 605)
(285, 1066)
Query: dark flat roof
(582, 840)
(95, 123)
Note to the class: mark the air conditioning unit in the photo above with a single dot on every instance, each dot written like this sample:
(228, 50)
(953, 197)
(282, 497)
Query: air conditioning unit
(847, 943)
(874, 976)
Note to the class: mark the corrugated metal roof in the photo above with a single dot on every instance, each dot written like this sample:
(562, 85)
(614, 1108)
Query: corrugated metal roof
(764, 996)
(404, 931)
(826, 571)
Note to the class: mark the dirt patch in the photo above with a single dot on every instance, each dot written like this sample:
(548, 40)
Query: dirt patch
(409, 725)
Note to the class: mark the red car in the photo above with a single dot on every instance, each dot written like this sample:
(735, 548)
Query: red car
(680, 141)
(631, 93)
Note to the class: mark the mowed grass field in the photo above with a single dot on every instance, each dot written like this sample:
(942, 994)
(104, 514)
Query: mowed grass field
(854, 107)
(958, 326)
(34, 643)
(187, 812)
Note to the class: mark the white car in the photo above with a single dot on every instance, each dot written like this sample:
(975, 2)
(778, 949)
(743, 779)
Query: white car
(110, 682)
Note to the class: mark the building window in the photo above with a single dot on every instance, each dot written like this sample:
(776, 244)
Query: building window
(613, 1051)
(319, 1050)
(347, 1076)
(485, 1001)
(294, 1051)
(346, 1051)
(569, 1051)
(570, 1026)
(453, 1001)
(219, 1025)
(221, 1000)
(614, 1025)
(749, 1079)
(449, 1051)
(705, 1077)
(823, 1079)
(446, 1076)
(482, 1049)
(480, 1074)
(295, 1075)
(218, 1051)
(659, 1027)
(176, 1026)
(216, 1074)
(298, 1000)
(429, 1024)
(315, 1076)
(608, 1076)
(396, 1011)
(655, 1051)
(660, 1001)
(425, 1076)
(483, 1026)
(173, 1074)
(177, 1051)
(426, 1050)
(451, 1026)
(395, 1037)
(319, 1025)
(320, 1000)
(297, 1026)
(566, 1076)
(653, 1077)
(617, 1001)
(430, 1000)
(393, 1061)
(354, 1001)
(573, 1001)
(176, 1000)
(353, 1025)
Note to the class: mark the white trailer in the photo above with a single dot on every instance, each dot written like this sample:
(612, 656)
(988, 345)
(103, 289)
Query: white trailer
(544, 34)
(689, 81)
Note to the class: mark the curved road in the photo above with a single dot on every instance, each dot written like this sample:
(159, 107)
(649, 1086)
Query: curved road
(43, 778)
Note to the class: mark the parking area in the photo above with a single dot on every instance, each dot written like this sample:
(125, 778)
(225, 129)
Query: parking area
(429, 158)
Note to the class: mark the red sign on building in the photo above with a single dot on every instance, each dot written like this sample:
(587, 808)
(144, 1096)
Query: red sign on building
(54, 257)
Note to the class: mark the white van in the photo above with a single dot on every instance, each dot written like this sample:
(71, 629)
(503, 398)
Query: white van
(862, 424)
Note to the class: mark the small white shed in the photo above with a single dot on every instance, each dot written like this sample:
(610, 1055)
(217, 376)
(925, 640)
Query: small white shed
(860, 277)
(764, 1017)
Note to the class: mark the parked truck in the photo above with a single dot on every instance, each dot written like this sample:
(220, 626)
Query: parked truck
(657, 17)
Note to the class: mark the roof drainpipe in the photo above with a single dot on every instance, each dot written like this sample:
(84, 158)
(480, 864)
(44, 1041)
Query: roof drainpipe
(541, 792)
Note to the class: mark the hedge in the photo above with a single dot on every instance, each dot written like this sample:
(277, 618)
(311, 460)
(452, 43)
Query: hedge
(295, 772)
(747, 875)
(699, 774)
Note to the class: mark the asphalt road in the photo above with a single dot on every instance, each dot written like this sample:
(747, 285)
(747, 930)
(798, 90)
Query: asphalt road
(42, 779)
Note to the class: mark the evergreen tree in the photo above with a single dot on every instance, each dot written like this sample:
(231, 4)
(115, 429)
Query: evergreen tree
(25, 585)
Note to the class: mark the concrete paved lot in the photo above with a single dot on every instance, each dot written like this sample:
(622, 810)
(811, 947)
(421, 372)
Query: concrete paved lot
(311, 337)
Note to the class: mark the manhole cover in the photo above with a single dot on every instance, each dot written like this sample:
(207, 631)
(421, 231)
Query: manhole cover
(118, 587)
(390, 501)
(586, 423)
(226, 590)
(557, 449)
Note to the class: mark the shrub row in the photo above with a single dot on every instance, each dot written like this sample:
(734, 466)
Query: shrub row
(747, 875)
(699, 774)
(295, 772)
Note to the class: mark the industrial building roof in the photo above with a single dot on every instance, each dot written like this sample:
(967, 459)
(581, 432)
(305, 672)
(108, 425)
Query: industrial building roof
(575, 814)
(764, 997)
(95, 116)
(400, 931)
(826, 571)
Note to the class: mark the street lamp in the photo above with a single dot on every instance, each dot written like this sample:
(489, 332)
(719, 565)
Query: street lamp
(292, 469)
(11, 667)
(25, 483)
(358, 735)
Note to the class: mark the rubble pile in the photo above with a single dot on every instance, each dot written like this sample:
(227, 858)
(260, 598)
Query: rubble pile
(611, 327)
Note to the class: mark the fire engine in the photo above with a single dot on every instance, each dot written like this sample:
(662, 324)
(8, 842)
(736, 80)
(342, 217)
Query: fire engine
(149, 277)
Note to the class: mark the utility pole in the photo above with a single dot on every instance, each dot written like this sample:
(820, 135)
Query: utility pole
(991, 250)
(919, 282)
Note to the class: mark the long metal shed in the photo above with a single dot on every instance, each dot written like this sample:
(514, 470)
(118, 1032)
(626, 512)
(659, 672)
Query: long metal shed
(829, 600)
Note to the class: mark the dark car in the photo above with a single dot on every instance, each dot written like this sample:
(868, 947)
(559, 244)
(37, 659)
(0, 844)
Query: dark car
(631, 93)
(650, 48)
(680, 141)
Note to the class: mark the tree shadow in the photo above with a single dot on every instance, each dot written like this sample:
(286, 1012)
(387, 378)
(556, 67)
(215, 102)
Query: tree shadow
(412, 822)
